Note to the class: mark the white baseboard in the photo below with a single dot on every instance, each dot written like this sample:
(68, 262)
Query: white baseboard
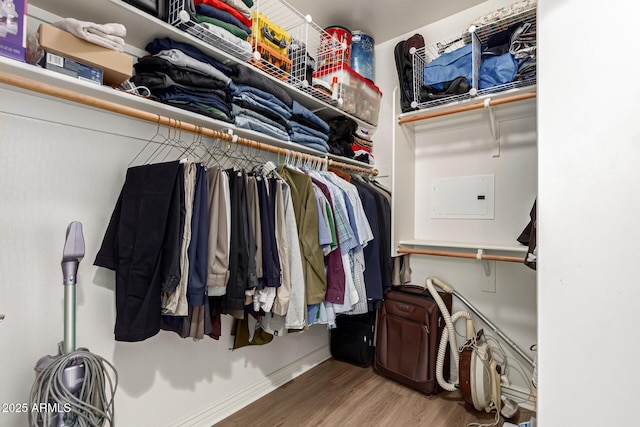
(221, 409)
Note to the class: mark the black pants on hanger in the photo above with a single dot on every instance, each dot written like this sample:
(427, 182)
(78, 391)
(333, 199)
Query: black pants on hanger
(142, 245)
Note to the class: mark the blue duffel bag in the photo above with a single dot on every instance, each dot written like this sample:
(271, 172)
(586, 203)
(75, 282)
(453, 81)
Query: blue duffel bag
(448, 67)
(497, 70)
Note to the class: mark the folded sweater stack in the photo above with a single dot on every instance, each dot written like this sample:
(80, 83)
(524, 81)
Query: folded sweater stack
(229, 20)
(183, 76)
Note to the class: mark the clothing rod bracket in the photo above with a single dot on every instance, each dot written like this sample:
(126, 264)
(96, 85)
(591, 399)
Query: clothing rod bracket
(495, 131)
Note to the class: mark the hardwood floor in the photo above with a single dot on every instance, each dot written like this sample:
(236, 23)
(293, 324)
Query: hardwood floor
(336, 393)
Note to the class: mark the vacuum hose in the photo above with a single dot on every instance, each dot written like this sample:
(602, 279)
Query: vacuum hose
(449, 333)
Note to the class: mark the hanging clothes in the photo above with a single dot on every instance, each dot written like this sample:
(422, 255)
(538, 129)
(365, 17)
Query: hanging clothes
(219, 231)
(306, 215)
(175, 303)
(241, 274)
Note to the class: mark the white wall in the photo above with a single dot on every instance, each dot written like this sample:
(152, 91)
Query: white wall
(461, 147)
(61, 163)
(589, 146)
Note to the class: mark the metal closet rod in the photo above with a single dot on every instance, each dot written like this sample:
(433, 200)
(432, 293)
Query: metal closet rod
(479, 255)
(69, 95)
(454, 110)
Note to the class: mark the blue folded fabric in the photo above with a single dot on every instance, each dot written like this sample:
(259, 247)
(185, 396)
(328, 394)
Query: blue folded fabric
(238, 88)
(309, 115)
(315, 146)
(497, 70)
(252, 99)
(177, 93)
(247, 122)
(222, 15)
(308, 141)
(448, 67)
(297, 127)
(236, 111)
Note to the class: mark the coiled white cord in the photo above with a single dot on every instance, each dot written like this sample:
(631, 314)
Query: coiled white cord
(92, 406)
(448, 337)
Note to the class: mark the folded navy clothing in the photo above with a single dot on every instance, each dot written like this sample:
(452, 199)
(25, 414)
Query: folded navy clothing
(298, 128)
(303, 111)
(222, 15)
(308, 141)
(266, 112)
(158, 80)
(160, 44)
(261, 102)
(238, 88)
(242, 74)
(180, 75)
(252, 123)
(236, 111)
(306, 122)
(177, 93)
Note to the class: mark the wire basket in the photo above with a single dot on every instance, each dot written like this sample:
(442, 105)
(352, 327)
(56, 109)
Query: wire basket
(182, 15)
(477, 36)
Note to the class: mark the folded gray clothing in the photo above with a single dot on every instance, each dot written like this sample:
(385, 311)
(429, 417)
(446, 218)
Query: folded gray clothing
(179, 58)
(243, 47)
(106, 35)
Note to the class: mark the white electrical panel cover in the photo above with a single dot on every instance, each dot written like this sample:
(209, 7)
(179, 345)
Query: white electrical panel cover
(463, 197)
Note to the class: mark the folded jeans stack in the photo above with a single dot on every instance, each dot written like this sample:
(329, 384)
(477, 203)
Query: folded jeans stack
(255, 109)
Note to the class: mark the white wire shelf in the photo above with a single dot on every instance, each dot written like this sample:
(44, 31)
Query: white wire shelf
(287, 46)
(142, 28)
(477, 36)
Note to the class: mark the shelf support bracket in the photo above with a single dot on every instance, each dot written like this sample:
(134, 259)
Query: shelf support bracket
(494, 128)
(485, 262)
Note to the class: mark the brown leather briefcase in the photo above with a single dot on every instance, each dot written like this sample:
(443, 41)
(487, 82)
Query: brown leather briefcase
(408, 334)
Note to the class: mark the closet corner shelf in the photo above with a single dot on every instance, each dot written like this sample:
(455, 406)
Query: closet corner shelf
(484, 101)
(142, 28)
(40, 78)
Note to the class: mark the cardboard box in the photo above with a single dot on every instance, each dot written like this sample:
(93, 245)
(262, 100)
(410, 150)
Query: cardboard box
(73, 68)
(13, 29)
(116, 66)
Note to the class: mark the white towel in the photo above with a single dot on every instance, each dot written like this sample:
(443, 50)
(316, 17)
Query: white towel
(105, 35)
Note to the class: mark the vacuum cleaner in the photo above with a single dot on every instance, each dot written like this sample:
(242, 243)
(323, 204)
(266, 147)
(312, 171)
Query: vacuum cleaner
(480, 375)
(74, 387)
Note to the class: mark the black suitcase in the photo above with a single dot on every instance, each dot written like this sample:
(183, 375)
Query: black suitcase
(408, 333)
(352, 339)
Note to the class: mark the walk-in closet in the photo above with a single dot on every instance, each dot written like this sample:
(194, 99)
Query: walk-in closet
(206, 203)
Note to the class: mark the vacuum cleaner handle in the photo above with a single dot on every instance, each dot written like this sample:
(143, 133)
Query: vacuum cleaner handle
(442, 285)
(72, 253)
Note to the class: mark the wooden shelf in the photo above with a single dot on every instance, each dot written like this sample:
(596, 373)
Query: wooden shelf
(122, 99)
(478, 103)
(489, 246)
